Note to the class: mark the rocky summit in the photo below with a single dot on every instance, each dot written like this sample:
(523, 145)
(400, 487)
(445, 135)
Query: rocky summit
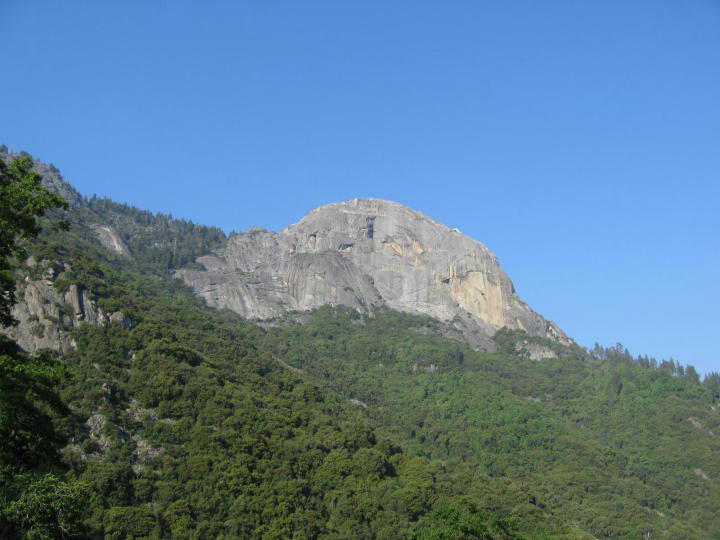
(366, 253)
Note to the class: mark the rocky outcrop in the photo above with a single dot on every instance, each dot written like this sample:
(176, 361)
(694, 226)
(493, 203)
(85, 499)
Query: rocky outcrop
(534, 351)
(365, 253)
(698, 425)
(111, 240)
(46, 315)
(51, 179)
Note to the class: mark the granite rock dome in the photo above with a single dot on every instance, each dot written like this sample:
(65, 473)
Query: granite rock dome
(365, 253)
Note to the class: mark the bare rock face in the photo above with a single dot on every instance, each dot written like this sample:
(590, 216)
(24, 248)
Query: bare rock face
(365, 253)
(46, 316)
(110, 238)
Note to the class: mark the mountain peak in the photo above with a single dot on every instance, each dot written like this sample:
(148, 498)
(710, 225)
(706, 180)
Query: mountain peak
(370, 207)
(365, 253)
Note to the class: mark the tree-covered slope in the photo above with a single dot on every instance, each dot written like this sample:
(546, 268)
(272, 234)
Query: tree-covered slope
(157, 242)
(154, 242)
(379, 424)
(180, 421)
(183, 424)
(618, 448)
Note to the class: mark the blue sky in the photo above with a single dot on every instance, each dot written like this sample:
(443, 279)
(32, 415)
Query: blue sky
(580, 141)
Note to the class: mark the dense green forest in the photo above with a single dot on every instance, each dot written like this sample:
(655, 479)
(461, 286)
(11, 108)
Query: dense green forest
(194, 423)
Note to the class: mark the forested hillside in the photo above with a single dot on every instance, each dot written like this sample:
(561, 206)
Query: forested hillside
(184, 425)
(605, 442)
(188, 422)
(157, 241)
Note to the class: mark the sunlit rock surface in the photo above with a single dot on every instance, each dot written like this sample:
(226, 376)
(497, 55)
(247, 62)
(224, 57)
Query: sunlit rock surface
(365, 253)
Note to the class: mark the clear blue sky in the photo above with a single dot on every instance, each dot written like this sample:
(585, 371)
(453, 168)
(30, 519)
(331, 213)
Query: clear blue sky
(580, 141)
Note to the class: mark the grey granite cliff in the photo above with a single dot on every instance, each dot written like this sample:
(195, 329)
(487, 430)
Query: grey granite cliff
(365, 253)
(46, 316)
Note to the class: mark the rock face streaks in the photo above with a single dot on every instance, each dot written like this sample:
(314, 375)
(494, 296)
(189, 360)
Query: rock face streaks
(364, 253)
(46, 316)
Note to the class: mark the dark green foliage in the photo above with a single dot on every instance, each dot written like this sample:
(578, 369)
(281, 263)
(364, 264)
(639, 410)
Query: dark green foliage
(36, 502)
(22, 201)
(42, 506)
(27, 395)
(462, 521)
(599, 437)
(204, 426)
(189, 424)
(129, 522)
(237, 444)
